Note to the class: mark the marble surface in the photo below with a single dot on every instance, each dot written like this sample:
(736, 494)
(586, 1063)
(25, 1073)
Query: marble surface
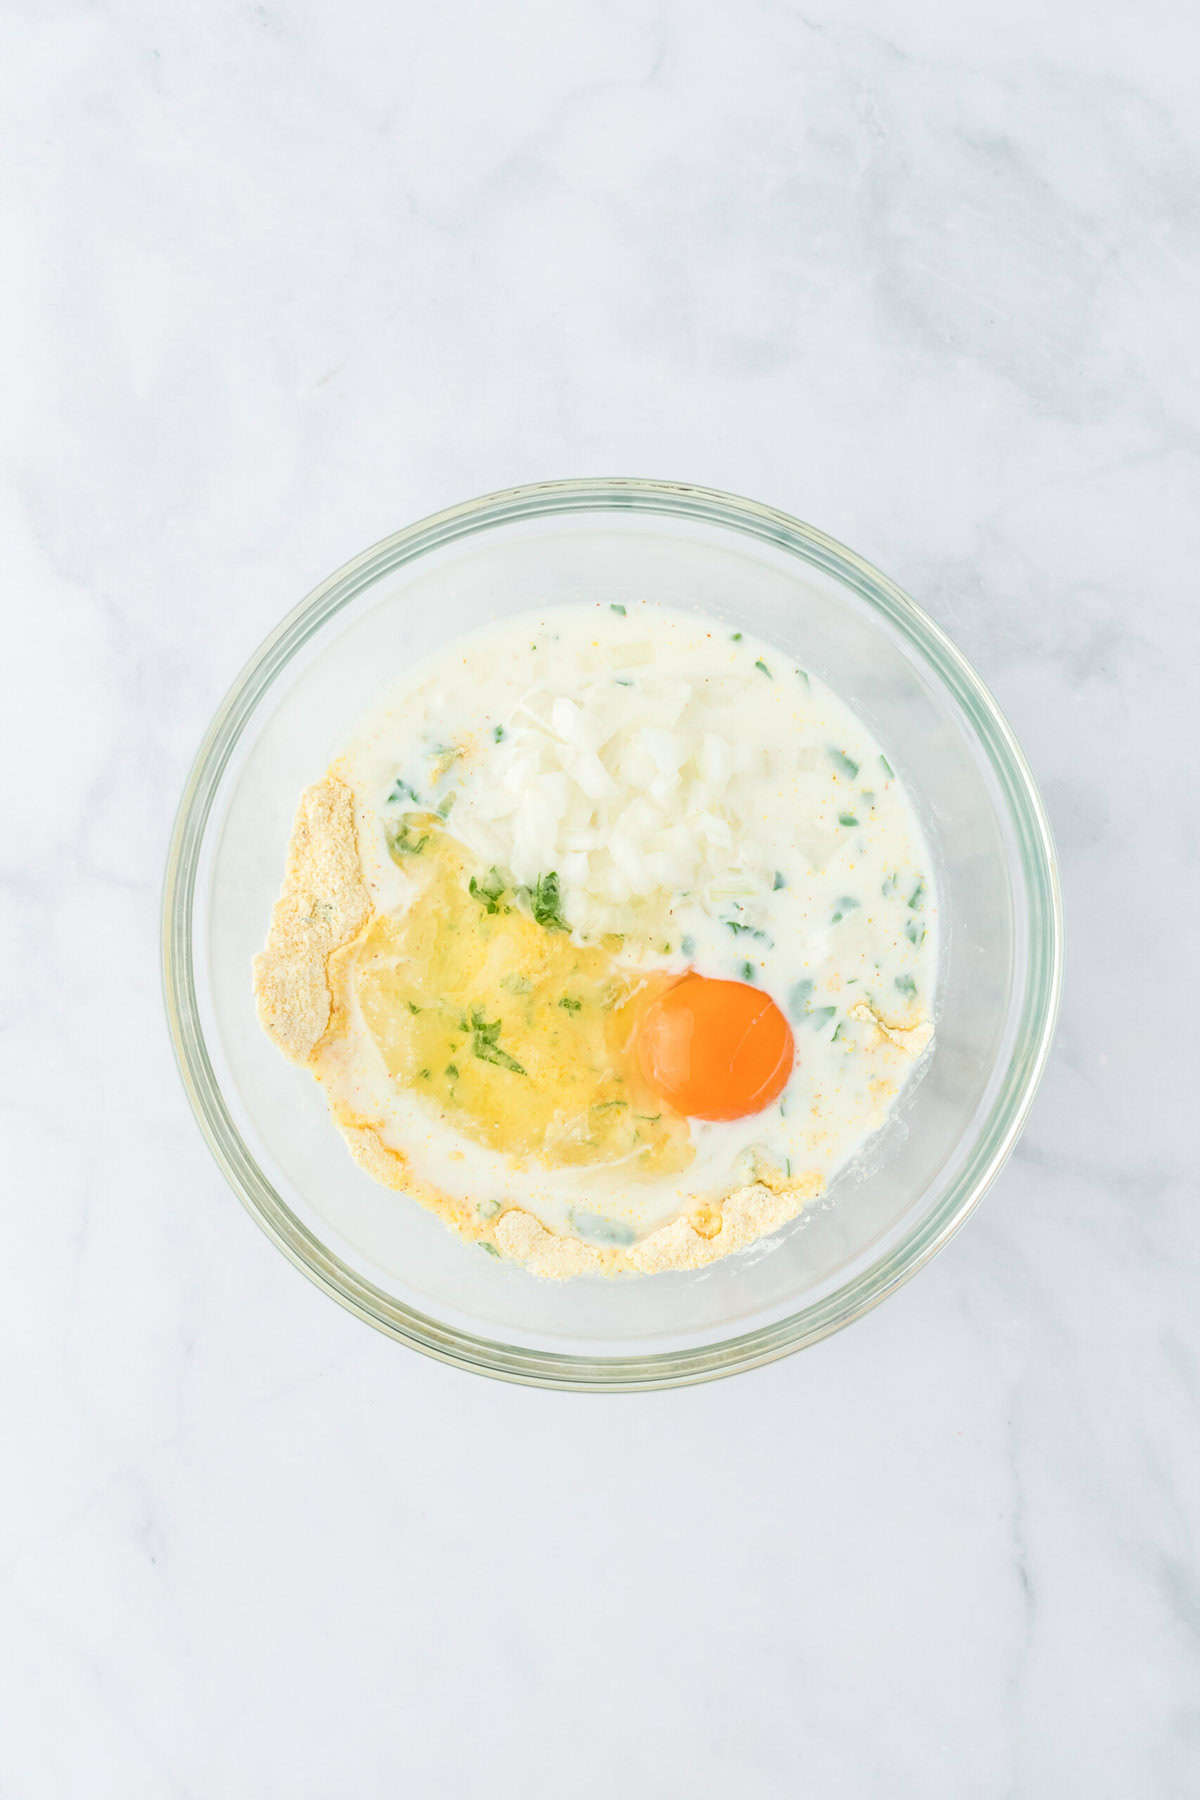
(281, 277)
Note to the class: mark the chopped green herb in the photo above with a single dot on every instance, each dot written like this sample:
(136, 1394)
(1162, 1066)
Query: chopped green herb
(748, 972)
(760, 664)
(837, 1034)
(602, 1231)
(546, 903)
(622, 681)
(446, 804)
(914, 931)
(845, 765)
(778, 882)
(452, 1071)
(486, 1044)
(917, 898)
(887, 768)
(490, 891)
(402, 839)
(404, 790)
(425, 1073)
(498, 734)
(797, 1000)
(489, 1248)
(687, 945)
(606, 1105)
(847, 819)
(740, 930)
(803, 674)
(735, 637)
(648, 1118)
(615, 606)
(906, 984)
(845, 903)
(891, 883)
(413, 1007)
(820, 1015)
(444, 758)
(569, 1005)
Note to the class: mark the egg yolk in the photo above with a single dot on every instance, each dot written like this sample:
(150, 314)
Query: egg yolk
(715, 1049)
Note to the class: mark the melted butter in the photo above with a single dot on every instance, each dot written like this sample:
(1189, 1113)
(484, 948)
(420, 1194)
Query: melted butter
(519, 1036)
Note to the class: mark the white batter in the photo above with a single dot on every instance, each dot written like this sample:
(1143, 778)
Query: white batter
(717, 807)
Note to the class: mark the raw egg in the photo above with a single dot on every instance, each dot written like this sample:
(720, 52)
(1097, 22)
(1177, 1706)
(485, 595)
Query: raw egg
(715, 1049)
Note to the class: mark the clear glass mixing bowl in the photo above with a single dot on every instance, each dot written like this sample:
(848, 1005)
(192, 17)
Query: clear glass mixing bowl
(383, 1256)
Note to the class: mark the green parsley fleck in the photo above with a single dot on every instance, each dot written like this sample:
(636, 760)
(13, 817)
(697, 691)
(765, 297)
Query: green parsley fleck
(740, 930)
(847, 819)
(798, 995)
(569, 1005)
(917, 898)
(602, 1231)
(546, 903)
(845, 765)
(887, 768)
(760, 664)
(615, 606)
(402, 839)
(489, 1248)
(778, 882)
(748, 972)
(413, 1007)
(486, 1046)
(452, 1071)
(490, 891)
(906, 984)
(498, 734)
(735, 637)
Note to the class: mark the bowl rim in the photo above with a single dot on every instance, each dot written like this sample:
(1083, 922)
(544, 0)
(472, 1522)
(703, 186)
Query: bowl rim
(997, 1134)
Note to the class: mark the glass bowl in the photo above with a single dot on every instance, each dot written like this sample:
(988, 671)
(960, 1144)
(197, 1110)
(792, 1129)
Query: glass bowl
(382, 1255)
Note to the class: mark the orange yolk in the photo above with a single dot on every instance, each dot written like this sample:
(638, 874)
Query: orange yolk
(715, 1049)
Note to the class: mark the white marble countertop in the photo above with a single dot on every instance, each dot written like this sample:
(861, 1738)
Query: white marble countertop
(282, 277)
